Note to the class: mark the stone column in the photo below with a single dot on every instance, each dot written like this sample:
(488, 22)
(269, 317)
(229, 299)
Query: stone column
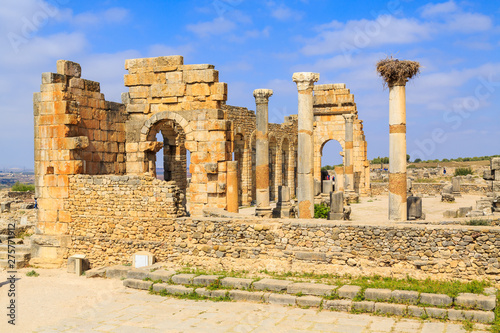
(397, 151)
(348, 165)
(262, 153)
(232, 186)
(305, 164)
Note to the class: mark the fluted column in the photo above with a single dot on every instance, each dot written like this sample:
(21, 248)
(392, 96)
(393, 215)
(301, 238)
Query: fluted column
(232, 186)
(305, 164)
(397, 151)
(262, 152)
(348, 165)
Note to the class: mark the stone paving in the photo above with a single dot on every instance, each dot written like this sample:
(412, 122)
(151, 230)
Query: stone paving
(61, 302)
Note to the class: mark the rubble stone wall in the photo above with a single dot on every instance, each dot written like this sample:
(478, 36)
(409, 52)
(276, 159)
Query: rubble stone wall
(254, 244)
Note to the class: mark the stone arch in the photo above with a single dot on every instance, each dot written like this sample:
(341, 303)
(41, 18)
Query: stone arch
(165, 115)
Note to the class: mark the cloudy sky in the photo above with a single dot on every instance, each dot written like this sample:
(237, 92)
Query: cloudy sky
(452, 107)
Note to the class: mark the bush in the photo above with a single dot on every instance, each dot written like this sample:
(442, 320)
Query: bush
(321, 211)
(463, 171)
(417, 160)
(32, 273)
(20, 187)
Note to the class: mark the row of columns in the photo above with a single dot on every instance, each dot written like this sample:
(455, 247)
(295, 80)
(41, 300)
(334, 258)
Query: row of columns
(305, 156)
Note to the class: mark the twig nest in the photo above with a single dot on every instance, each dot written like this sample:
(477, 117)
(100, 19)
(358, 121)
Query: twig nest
(397, 72)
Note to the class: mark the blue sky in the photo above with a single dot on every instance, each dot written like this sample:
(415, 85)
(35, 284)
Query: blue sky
(452, 107)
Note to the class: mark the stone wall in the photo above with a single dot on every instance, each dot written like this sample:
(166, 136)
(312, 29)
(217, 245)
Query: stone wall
(279, 245)
(433, 188)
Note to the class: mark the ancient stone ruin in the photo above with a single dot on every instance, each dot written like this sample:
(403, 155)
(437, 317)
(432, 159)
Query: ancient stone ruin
(96, 161)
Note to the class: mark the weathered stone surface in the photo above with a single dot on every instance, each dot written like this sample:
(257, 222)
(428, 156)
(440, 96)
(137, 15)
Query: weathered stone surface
(117, 272)
(474, 301)
(241, 295)
(271, 284)
(387, 308)
(183, 278)
(137, 284)
(311, 289)
(180, 290)
(435, 299)
(314, 256)
(348, 291)
(96, 272)
(138, 274)
(436, 313)
(205, 280)
(238, 283)
(415, 311)
(486, 317)
(203, 292)
(338, 305)
(378, 294)
(309, 301)
(219, 293)
(456, 314)
(364, 306)
(405, 296)
(282, 299)
(161, 275)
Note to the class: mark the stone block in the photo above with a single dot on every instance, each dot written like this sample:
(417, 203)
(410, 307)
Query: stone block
(338, 305)
(496, 185)
(117, 272)
(198, 76)
(161, 275)
(489, 175)
(219, 293)
(142, 259)
(450, 213)
(436, 313)
(69, 68)
(311, 289)
(415, 311)
(137, 284)
(436, 299)
(327, 186)
(474, 301)
(282, 299)
(313, 256)
(96, 272)
(5, 207)
(271, 284)
(335, 216)
(138, 274)
(456, 314)
(205, 280)
(387, 308)
(241, 295)
(317, 187)
(183, 278)
(348, 291)
(309, 301)
(364, 306)
(405, 296)
(177, 290)
(495, 163)
(202, 292)
(237, 283)
(158, 287)
(379, 295)
(168, 90)
(463, 211)
(414, 208)
(485, 317)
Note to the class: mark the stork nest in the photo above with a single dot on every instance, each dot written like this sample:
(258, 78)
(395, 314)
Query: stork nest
(395, 71)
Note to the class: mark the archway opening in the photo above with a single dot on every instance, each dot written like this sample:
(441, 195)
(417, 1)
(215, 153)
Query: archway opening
(331, 157)
(238, 155)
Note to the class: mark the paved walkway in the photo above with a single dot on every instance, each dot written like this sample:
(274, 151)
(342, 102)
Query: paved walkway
(60, 302)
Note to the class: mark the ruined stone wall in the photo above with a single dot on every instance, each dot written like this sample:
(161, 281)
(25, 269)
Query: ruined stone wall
(278, 245)
(432, 188)
(331, 101)
(76, 132)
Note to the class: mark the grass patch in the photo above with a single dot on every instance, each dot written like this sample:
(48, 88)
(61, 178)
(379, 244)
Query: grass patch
(476, 222)
(21, 187)
(32, 273)
(463, 171)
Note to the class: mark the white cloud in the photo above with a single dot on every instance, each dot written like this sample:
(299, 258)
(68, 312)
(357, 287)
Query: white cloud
(282, 12)
(217, 26)
(160, 50)
(468, 23)
(438, 9)
(250, 34)
(109, 16)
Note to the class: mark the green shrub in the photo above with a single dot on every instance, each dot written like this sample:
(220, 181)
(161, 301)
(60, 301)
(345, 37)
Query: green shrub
(463, 171)
(32, 273)
(321, 211)
(20, 187)
(477, 222)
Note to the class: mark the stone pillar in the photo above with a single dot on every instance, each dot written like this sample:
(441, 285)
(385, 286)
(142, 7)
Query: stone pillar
(262, 152)
(305, 164)
(336, 206)
(232, 186)
(397, 151)
(349, 143)
(455, 186)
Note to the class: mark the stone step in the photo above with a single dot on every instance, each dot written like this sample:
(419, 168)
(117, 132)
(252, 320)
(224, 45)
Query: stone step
(17, 248)
(4, 263)
(18, 256)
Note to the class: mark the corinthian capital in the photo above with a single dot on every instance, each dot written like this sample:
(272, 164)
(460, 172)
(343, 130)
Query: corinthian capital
(262, 95)
(349, 117)
(305, 80)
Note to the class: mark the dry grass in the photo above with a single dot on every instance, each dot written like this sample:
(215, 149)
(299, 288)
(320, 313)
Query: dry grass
(394, 71)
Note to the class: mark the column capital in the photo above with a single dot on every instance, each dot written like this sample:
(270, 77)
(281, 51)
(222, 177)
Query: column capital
(305, 80)
(349, 117)
(262, 95)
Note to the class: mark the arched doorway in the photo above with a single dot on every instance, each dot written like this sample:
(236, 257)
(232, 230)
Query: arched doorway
(331, 154)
